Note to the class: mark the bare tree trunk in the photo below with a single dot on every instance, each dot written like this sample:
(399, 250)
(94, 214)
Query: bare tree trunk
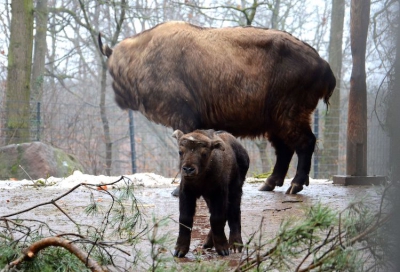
(394, 115)
(357, 118)
(332, 120)
(19, 72)
(393, 119)
(39, 56)
(275, 14)
(104, 119)
(102, 104)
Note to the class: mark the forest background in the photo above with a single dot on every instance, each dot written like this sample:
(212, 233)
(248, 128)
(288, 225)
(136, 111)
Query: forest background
(70, 104)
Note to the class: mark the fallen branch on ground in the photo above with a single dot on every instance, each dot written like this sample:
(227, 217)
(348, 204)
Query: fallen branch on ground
(34, 249)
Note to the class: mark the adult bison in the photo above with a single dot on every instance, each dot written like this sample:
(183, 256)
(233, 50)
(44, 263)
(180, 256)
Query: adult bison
(245, 80)
(212, 165)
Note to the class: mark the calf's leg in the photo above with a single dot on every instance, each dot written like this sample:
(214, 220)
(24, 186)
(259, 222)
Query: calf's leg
(209, 242)
(284, 155)
(234, 218)
(218, 218)
(187, 208)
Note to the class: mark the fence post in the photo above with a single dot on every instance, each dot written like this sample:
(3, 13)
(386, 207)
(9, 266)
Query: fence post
(132, 138)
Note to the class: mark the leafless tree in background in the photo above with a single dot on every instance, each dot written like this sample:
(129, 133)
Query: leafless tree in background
(330, 155)
(76, 110)
(394, 132)
(357, 119)
(38, 65)
(40, 48)
(17, 122)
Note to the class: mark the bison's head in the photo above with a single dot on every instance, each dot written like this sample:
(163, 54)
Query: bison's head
(195, 151)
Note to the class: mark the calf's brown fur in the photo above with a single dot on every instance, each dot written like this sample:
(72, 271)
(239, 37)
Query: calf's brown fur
(245, 80)
(212, 165)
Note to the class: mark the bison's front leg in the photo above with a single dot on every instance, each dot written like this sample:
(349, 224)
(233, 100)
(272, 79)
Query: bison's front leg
(284, 155)
(187, 208)
(217, 221)
(304, 153)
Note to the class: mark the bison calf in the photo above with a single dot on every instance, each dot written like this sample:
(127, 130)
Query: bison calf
(212, 165)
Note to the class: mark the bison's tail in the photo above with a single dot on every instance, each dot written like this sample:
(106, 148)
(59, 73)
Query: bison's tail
(331, 87)
(104, 49)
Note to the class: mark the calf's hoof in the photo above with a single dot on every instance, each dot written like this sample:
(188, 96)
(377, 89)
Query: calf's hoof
(221, 245)
(223, 251)
(182, 246)
(236, 243)
(180, 252)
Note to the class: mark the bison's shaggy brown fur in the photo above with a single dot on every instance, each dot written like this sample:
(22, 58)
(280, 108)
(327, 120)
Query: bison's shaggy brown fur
(245, 80)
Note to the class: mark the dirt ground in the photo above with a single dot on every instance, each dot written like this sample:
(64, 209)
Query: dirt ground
(273, 207)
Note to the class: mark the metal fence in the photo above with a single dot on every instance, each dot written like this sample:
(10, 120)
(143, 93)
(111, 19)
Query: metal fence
(77, 129)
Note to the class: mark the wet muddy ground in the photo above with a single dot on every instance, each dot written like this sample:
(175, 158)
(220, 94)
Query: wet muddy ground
(264, 210)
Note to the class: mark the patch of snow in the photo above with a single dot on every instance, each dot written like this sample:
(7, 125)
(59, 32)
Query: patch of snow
(139, 179)
(149, 180)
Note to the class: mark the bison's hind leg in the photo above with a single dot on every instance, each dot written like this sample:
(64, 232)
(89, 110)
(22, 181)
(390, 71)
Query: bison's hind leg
(304, 151)
(284, 155)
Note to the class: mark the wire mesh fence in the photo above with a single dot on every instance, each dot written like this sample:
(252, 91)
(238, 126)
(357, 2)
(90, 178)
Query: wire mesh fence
(138, 145)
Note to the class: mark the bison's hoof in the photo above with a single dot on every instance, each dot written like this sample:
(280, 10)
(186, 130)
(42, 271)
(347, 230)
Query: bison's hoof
(294, 189)
(270, 183)
(176, 191)
(180, 254)
(266, 187)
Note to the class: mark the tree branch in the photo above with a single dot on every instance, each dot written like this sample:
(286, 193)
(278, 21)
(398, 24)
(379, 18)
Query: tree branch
(34, 249)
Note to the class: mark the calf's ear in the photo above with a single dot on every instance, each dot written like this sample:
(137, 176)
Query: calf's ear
(218, 144)
(177, 134)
